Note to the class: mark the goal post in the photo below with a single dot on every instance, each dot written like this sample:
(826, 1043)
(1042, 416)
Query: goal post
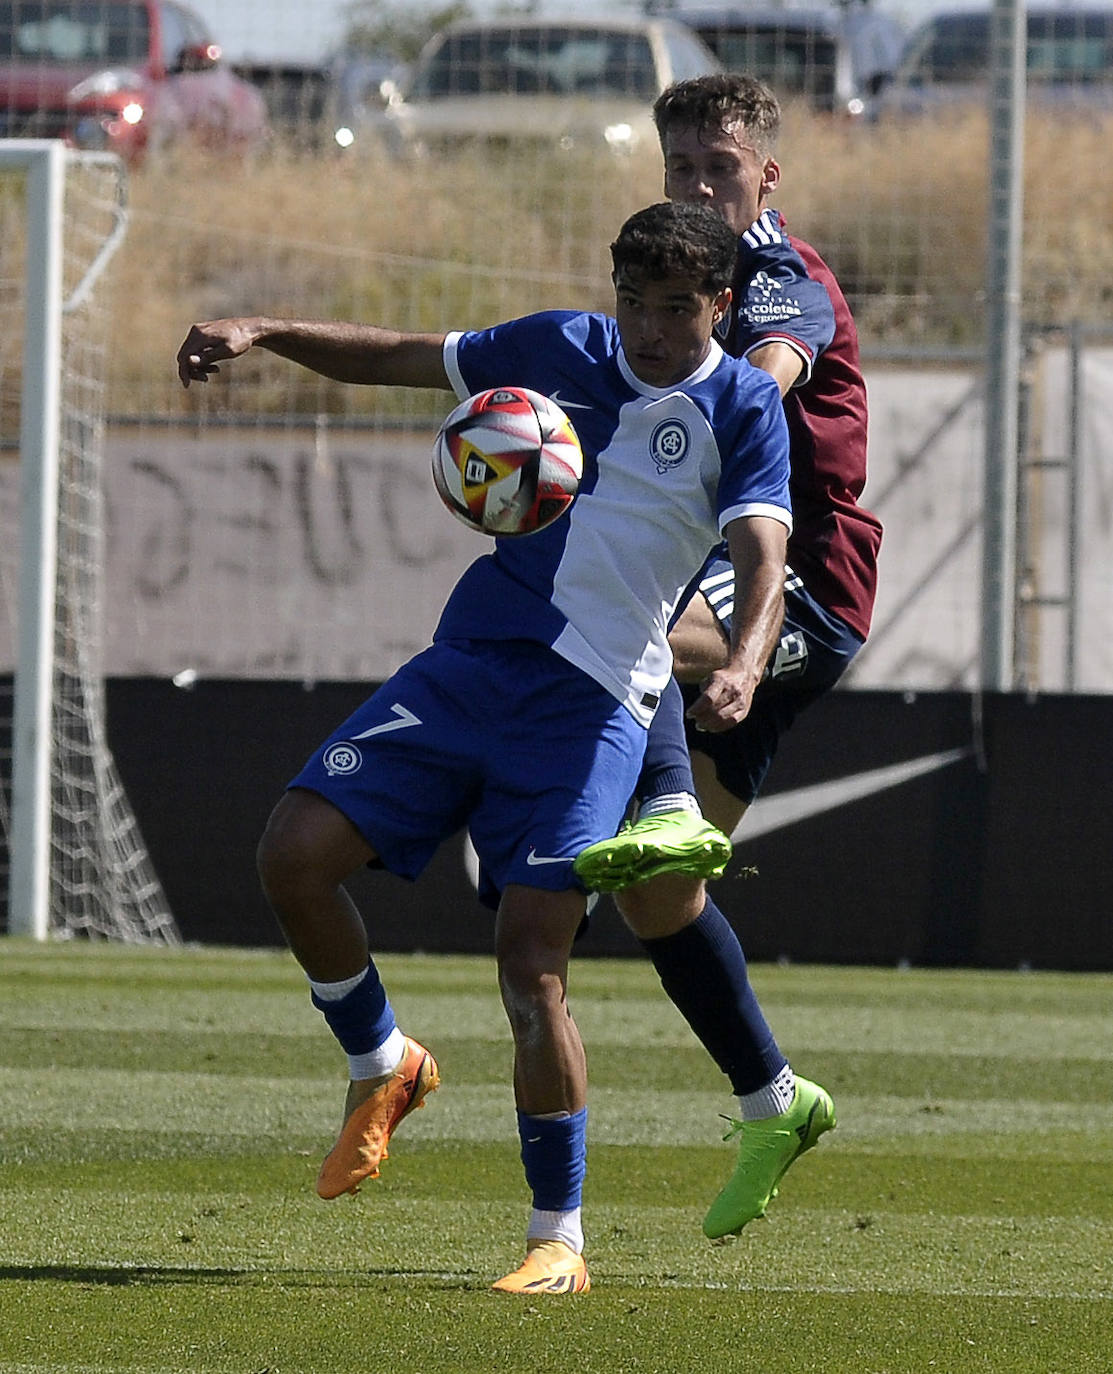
(76, 861)
(44, 168)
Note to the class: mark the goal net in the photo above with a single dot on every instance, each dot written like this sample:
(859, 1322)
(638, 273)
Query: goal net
(72, 860)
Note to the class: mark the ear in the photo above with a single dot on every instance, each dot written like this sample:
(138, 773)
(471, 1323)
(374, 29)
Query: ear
(770, 177)
(721, 304)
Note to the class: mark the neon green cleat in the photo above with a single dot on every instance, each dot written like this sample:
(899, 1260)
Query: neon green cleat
(673, 842)
(766, 1148)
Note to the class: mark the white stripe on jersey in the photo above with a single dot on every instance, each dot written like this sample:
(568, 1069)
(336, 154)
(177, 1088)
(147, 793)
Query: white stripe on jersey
(716, 580)
(764, 231)
(717, 590)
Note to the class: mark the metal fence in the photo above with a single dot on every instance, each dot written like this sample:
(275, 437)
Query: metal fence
(272, 505)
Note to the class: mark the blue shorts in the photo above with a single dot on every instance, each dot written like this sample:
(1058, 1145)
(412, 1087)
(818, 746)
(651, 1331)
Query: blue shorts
(502, 736)
(814, 651)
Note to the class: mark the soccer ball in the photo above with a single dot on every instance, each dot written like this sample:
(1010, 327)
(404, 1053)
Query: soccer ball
(507, 461)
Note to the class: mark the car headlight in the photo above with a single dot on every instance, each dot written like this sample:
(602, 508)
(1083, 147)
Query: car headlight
(620, 137)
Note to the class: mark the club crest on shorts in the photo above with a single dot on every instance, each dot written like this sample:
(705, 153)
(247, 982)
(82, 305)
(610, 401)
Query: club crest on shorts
(669, 444)
(342, 758)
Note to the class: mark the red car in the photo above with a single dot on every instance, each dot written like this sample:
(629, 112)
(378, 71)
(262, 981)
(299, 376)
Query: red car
(130, 76)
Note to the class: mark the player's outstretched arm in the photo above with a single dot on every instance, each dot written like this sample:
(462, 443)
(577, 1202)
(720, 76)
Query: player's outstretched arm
(360, 353)
(757, 550)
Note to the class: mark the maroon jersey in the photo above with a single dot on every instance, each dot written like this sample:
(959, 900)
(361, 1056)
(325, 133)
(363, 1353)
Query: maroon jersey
(784, 291)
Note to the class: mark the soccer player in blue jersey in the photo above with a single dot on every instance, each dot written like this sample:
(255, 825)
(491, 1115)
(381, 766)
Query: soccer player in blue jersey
(526, 719)
(788, 317)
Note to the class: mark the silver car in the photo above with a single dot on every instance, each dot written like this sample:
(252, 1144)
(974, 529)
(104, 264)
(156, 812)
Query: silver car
(563, 84)
(946, 62)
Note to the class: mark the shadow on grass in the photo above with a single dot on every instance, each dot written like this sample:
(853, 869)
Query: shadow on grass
(122, 1276)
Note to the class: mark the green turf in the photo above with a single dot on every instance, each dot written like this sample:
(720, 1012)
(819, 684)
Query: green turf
(162, 1116)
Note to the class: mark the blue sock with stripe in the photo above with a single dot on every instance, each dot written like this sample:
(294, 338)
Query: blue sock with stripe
(703, 970)
(554, 1155)
(361, 1018)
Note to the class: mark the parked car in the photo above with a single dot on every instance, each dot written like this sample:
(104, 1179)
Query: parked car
(361, 86)
(562, 83)
(834, 59)
(946, 61)
(130, 76)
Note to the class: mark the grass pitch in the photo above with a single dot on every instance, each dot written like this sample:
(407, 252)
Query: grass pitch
(162, 1116)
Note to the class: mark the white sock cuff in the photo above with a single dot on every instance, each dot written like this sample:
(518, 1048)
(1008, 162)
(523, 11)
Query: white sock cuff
(332, 992)
(772, 1100)
(377, 1063)
(669, 801)
(563, 1226)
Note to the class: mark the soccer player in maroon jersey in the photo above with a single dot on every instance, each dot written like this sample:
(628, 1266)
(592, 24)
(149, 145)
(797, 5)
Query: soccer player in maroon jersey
(790, 318)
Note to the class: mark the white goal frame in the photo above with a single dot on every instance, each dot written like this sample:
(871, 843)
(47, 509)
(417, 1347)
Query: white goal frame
(43, 163)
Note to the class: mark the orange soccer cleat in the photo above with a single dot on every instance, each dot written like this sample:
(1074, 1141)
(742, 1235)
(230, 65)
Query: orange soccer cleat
(362, 1143)
(550, 1267)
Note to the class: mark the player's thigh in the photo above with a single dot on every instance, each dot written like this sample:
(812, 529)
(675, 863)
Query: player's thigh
(406, 766)
(814, 650)
(699, 642)
(738, 759)
(717, 802)
(568, 763)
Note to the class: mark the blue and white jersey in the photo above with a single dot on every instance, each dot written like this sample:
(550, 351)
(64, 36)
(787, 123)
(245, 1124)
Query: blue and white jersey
(665, 471)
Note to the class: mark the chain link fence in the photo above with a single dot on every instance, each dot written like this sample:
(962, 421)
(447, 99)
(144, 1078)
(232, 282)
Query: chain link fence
(206, 487)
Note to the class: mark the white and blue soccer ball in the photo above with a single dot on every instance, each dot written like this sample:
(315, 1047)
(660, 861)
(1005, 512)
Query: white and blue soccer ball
(507, 461)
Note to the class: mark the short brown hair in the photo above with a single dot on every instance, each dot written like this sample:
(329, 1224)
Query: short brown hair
(718, 101)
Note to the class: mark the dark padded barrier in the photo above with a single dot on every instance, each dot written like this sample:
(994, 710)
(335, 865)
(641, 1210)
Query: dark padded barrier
(977, 832)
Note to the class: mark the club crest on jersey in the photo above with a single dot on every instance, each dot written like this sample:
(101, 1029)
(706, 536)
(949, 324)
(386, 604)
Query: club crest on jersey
(669, 444)
(342, 758)
(767, 301)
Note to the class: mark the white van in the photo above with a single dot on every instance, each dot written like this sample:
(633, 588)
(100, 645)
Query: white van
(556, 83)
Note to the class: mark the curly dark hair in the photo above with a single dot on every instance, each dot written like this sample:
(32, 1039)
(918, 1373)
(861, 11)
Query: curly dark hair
(718, 101)
(676, 240)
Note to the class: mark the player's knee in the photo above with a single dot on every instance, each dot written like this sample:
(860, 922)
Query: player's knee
(533, 995)
(282, 862)
(307, 846)
(661, 906)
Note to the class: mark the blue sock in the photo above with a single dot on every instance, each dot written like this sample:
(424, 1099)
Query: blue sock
(703, 970)
(666, 766)
(554, 1154)
(363, 1018)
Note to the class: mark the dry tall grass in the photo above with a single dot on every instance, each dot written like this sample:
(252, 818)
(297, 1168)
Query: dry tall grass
(898, 210)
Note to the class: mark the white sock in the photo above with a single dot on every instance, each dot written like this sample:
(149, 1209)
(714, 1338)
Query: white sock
(562, 1226)
(668, 801)
(379, 1062)
(772, 1100)
(332, 992)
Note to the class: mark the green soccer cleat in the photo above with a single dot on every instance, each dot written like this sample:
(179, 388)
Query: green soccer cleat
(673, 842)
(766, 1148)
